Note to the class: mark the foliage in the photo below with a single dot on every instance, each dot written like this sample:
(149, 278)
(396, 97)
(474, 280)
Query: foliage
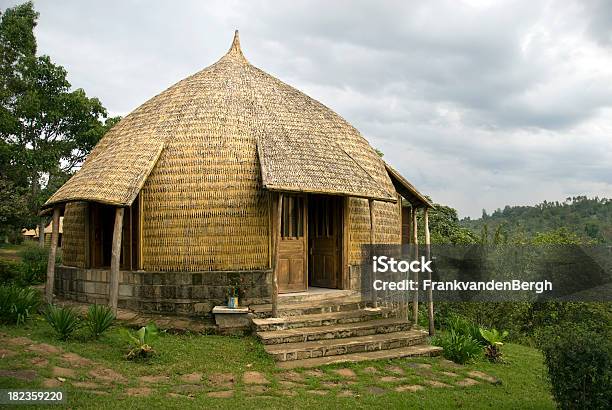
(494, 343)
(17, 304)
(585, 219)
(460, 348)
(579, 365)
(34, 261)
(9, 270)
(46, 129)
(464, 327)
(445, 228)
(63, 320)
(139, 342)
(99, 318)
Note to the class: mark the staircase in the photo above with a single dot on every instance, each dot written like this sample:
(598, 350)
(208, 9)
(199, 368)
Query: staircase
(316, 330)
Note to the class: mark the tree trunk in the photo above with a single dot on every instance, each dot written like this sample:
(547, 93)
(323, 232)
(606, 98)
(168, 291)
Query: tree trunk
(115, 260)
(41, 233)
(52, 253)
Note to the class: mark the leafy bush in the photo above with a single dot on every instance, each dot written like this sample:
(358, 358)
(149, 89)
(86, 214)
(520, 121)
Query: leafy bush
(63, 320)
(579, 365)
(139, 342)
(33, 264)
(99, 318)
(9, 270)
(465, 327)
(17, 304)
(494, 343)
(460, 348)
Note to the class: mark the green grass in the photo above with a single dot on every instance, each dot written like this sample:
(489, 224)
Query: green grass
(11, 252)
(523, 380)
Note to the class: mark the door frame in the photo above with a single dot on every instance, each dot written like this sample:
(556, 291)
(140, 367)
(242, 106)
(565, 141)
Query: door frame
(304, 239)
(342, 280)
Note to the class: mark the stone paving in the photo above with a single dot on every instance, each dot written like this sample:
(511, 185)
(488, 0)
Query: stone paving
(404, 376)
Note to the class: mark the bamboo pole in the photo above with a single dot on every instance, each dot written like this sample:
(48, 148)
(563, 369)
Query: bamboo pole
(374, 295)
(52, 253)
(430, 310)
(115, 260)
(415, 244)
(277, 232)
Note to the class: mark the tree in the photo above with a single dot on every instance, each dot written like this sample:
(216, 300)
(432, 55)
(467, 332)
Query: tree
(46, 129)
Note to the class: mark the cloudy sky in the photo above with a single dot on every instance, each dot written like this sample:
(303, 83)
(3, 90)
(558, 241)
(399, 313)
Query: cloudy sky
(479, 103)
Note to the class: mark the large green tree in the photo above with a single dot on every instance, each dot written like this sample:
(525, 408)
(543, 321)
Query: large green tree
(46, 129)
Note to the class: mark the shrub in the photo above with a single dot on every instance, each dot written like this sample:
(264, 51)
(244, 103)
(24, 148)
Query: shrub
(33, 264)
(99, 318)
(9, 270)
(17, 304)
(465, 327)
(495, 341)
(63, 320)
(579, 365)
(139, 342)
(460, 348)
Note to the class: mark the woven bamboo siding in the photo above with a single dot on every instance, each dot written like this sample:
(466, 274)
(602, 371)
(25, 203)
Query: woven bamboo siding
(387, 227)
(74, 237)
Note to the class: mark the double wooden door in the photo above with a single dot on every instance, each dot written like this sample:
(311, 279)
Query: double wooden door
(310, 244)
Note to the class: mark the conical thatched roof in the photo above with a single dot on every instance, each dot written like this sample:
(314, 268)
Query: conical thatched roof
(214, 117)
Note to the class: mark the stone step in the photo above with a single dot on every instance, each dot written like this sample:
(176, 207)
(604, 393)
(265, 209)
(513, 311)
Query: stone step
(317, 295)
(311, 308)
(410, 351)
(326, 347)
(338, 331)
(321, 319)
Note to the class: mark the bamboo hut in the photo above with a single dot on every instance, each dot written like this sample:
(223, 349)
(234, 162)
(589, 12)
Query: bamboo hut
(228, 176)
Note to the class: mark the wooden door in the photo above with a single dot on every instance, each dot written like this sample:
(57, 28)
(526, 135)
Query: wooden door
(325, 237)
(292, 249)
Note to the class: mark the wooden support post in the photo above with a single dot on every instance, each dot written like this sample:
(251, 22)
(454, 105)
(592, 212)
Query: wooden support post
(277, 236)
(415, 244)
(113, 293)
(52, 253)
(430, 311)
(374, 295)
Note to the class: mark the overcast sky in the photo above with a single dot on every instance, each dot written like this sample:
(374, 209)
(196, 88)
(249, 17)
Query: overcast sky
(479, 103)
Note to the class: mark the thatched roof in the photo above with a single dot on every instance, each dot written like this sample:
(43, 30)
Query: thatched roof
(406, 189)
(207, 125)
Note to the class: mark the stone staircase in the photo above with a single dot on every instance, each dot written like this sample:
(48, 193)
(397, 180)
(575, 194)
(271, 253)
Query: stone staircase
(322, 331)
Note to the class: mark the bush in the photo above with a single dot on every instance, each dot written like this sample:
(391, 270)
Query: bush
(63, 320)
(458, 347)
(17, 304)
(465, 327)
(579, 365)
(33, 264)
(9, 271)
(99, 318)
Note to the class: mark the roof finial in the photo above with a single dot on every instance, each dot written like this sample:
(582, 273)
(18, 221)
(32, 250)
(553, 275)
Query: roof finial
(235, 48)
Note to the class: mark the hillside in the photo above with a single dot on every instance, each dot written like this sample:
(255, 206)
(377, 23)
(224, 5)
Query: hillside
(590, 218)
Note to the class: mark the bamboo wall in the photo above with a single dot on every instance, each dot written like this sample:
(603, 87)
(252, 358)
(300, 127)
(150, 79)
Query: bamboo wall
(75, 236)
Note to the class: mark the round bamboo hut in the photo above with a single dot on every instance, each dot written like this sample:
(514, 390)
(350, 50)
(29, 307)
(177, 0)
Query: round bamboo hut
(230, 177)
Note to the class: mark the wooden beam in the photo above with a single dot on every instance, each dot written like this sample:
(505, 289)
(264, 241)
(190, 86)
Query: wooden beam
(52, 253)
(87, 235)
(415, 244)
(115, 260)
(277, 232)
(430, 310)
(374, 294)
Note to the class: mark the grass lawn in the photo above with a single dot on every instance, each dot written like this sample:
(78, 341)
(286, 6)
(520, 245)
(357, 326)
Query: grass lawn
(189, 369)
(11, 252)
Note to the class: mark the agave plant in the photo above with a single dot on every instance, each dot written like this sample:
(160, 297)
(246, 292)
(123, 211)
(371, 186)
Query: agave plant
(17, 304)
(140, 341)
(99, 318)
(63, 320)
(494, 343)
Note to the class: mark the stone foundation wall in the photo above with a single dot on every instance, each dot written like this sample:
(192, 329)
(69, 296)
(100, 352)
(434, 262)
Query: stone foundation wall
(181, 293)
